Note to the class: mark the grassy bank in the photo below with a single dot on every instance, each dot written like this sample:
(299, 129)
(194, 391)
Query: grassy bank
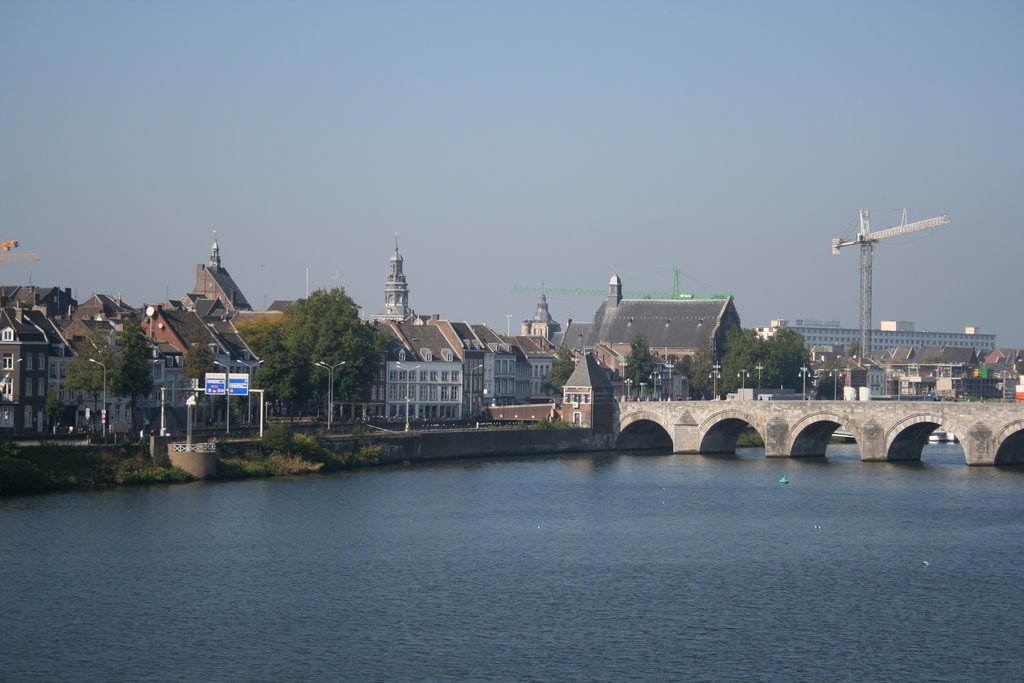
(52, 468)
(280, 453)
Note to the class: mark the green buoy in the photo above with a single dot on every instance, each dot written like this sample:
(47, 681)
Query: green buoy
(783, 480)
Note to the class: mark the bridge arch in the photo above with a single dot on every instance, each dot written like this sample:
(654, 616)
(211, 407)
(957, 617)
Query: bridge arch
(1009, 444)
(720, 431)
(907, 437)
(645, 429)
(809, 436)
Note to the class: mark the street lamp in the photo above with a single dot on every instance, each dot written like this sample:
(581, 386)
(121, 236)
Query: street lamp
(330, 388)
(759, 368)
(250, 365)
(103, 415)
(227, 397)
(408, 375)
(743, 375)
(716, 374)
(655, 376)
(835, 383)
(804, 372)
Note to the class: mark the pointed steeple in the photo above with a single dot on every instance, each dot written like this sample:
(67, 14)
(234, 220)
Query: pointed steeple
(215, 252)
(396, 291)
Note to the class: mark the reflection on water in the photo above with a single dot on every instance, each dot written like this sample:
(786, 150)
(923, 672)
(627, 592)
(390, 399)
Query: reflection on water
(623, 566)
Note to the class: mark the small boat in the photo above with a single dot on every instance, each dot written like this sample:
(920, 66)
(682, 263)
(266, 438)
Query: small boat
(941, 437)
(784, 480)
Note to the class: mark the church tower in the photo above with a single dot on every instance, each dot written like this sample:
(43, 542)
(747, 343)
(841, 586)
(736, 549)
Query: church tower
(542, 324)
(396, 291)
(215, 253)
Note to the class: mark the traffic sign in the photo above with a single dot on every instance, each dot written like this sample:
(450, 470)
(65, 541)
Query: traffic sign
(216, 384)
(238, 384)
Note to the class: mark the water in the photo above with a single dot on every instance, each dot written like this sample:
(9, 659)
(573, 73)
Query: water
(591, 568)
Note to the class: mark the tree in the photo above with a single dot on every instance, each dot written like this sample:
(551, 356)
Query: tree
(54, 407)
(133, 375)
(85, 375)
(639, 363)
(786, 355)
(322, 328)
(561, 369)
(744, 351)
(198, 362)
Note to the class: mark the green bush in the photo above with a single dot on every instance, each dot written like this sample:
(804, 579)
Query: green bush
(17, 475)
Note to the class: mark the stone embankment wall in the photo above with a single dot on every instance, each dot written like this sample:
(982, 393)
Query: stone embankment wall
(448, 445)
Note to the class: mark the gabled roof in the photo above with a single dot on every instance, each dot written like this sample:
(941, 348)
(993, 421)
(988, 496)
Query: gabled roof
(588, 374)
(670, 323)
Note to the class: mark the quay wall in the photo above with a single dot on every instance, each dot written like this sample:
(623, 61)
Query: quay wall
(450, 445)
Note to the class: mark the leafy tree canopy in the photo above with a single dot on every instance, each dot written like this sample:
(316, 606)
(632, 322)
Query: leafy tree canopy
(640, 364)
(87, 376)
(561, 369)
(323, 328)
(780, 358)
(133, 375)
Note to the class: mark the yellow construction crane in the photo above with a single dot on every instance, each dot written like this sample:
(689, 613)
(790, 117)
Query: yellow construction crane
(7, 257)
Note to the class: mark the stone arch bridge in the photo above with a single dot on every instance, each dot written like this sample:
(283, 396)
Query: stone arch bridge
(893, 431)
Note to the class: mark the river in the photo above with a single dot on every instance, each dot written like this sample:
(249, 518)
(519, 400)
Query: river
(594, 567)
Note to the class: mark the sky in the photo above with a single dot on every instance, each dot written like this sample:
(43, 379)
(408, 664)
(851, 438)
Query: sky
(519, 144)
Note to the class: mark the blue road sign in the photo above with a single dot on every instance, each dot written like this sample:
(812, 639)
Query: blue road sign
(238, 384)
(216, 384)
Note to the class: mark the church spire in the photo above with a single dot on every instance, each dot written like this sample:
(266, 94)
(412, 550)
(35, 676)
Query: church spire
(215, 252)
(396, 291)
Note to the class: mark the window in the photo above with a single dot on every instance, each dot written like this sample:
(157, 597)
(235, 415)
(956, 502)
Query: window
(28, 361)
(433, 375)
(423, 375)
(28, 389)
(41, 386)
(7, 334)
(444, 375)
(42, 361)
(455, 375)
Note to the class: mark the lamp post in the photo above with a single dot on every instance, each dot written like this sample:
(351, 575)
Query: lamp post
(629, 387)
(227, 397)
(716, 374)
(103, 415)
(668, 324)
(330, 388)
(743, 375)
(804, 372)
(835, 383)
(759, 368)
(408, 375)
(643, 385)
(654, 384)
(250, 365)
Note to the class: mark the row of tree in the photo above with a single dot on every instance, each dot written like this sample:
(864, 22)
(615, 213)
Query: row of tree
(748, 360)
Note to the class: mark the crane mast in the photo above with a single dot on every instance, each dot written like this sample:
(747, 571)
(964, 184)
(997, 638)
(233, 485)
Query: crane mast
(866, 239)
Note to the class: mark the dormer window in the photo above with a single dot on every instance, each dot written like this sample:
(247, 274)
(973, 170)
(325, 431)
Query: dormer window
(447, 353)
(7, 334)
(401, 355)
(428, 355)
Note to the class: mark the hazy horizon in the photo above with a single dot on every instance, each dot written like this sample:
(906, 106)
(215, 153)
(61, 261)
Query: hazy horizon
(540, 142)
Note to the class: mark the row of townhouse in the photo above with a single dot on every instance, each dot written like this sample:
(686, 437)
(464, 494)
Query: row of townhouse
(442, 370)
(36, 350)
(432, 369)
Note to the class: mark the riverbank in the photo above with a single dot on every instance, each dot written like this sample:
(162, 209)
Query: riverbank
(282, 452)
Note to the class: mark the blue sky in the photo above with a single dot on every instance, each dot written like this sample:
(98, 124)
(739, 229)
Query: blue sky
(519, 143)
